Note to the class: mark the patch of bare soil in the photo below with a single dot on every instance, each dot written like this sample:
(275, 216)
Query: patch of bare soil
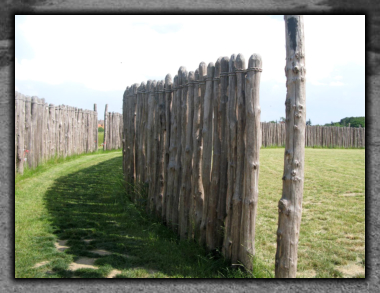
(113, 273)
(351, 270)
(83, 263)
(40, 264)
(352, 194)
(61, 245)
(101, 252)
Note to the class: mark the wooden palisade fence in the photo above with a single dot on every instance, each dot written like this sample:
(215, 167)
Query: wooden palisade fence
(274, 134)
(113, 130)
(194, 141)
(44, 131)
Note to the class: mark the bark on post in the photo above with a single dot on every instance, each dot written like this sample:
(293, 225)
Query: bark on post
(28, 131)
(161, 133)
(201, 201)
(251, 161)
(221, 208)
(207, 151)
(231, 154)
(240, 151)
(197, 189)
(105, 128)
(20, 121)
(290, 205)
(133, 132)
(187, 126)
(182, 72)
(96, 127)
(172, 153)
(149, 136)
(213, 232)
(168, 107)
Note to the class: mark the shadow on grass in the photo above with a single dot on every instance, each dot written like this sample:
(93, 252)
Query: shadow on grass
(92, 205)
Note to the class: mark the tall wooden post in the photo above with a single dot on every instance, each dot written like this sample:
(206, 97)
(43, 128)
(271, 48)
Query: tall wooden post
(213, 232)
(207, 150)
(237, 196)
(290, 205)
(251, 161)
(105, 127)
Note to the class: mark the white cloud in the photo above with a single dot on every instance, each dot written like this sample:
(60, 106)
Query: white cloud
(332, 41)
(111, 52)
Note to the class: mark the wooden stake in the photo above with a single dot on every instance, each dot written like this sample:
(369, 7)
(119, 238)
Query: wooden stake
(290, 205)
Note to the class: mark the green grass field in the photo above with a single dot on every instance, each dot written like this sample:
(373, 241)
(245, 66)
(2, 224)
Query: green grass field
(84, 202)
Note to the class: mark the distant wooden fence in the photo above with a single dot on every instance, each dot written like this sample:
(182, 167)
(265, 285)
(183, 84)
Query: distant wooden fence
(43, 131)
(113, 130)
(274, 134)
(198, 151)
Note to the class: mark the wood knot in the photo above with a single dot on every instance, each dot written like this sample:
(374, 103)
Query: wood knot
(294, 172)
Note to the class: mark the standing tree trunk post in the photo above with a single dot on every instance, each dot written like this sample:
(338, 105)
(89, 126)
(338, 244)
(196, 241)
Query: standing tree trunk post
(251, 161)
(207, 152)
(172, 153)
(197, 190)
(231, 154)
(221, 208)
(168, 107)
(202, 89)
(290, 205)
(240, 151)
(20, 124)
(105, 127)
(212, 231)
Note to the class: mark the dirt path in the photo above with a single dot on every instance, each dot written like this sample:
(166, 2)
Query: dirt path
(188, 5)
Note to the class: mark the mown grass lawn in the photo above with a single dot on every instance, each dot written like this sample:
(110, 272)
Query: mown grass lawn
(84, 202)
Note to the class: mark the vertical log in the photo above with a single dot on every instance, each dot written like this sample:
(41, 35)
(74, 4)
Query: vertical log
(178, 161)
(133, 131)
(96, 142)
(172, 154)
(207, 150)
(185, 176)
(126, 140)
(240, 151)
(231, 154)
(168, 107)
(197, 189)
(290, 205)
(149, 139)
(251, 161)
(213, 232)
(34, 115)
(28, 131)
(155, 142)
(105, 127)
(19, 123)
(201, 201)
(221, 208)
(138, 133)
(161, 132)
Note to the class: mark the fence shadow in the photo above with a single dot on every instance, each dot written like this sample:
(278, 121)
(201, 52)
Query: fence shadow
(90, 210)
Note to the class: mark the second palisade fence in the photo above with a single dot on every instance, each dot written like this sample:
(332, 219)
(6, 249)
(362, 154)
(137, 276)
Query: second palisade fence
(274, 134)
(113, 130)
(194, 142)
(44, 131)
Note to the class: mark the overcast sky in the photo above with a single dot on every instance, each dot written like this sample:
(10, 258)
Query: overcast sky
(79, 60)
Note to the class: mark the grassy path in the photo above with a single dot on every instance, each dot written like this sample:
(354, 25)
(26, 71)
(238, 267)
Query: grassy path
(74, 219)
(77, 213)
